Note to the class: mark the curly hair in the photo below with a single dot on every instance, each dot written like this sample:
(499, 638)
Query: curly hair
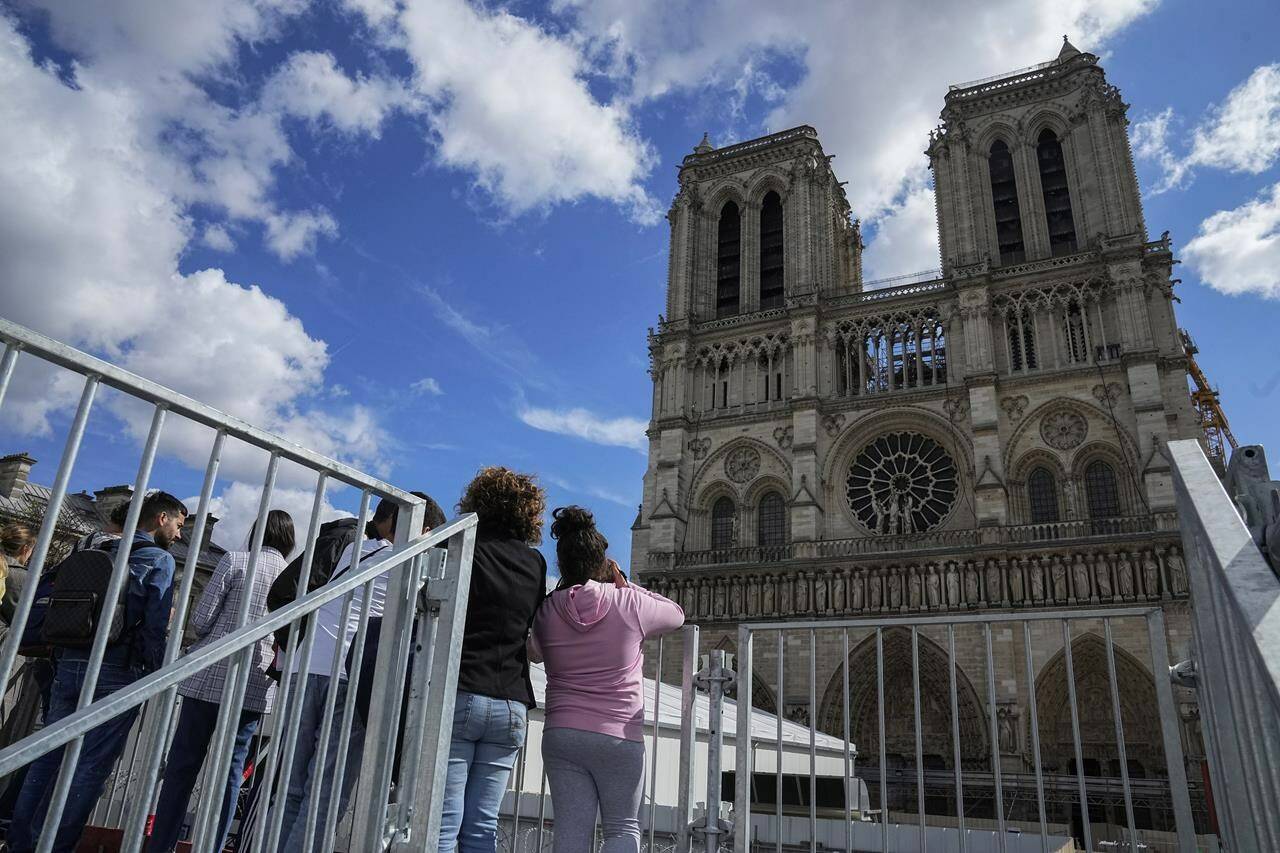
(509, 503)
(580, 547)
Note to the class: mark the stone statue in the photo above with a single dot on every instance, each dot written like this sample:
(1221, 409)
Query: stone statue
(1016, 586)
(821, 593)
(881, 509)
(874, 599)
(769, 595)
(802, 592)
(1150, 575)
(720, 597)
(857, 594)
(953, 585)
(1124, 575)
(1080, 578)
(895, 587)
(995, 588)
(1037, 580)
(915, 589)
(934, 588)
(840, 595)
(735, 597)
(1007, 727)
(908, 519)
(1102, 573)
(1177, 570)
(1059, 570)
(891, 510)
(786, 595)
(971, 595)
(753, 596)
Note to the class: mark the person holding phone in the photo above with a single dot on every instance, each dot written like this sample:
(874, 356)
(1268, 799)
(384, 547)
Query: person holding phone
(589, 633)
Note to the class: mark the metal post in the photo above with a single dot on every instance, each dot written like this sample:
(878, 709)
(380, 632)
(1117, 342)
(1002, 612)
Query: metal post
(955, 735)
(850, 789)
(1075, 735)
(653, 759)
(782, 691)
(742, 764)
(884, 783)
(813, 741)
(1169, 732)
(1035, 735)
(1119, 721)
(688, 738)
(915, 688)
(6, 368)
(716, 679)
(995, 737)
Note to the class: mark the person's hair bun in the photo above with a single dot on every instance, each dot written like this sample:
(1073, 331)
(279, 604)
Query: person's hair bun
(569, 520)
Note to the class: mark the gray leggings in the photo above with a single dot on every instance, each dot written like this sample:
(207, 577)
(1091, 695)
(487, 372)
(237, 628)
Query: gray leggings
(586, 770)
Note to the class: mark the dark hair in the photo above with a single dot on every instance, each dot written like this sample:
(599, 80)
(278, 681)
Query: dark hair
(278, 533)
(158, 502)
(119, 514)
(16, 537)
(388, 509)
(580, 547)
(509, 504)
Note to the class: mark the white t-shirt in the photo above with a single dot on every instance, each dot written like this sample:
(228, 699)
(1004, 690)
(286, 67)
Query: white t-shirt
(329, 616)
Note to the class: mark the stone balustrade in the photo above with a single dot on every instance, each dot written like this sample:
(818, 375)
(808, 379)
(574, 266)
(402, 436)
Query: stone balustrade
(1084, 576)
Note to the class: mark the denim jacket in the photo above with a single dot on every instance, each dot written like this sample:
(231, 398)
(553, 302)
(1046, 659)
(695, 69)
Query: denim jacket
(148, 602)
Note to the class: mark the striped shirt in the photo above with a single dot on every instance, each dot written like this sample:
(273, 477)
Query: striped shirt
(214, 617)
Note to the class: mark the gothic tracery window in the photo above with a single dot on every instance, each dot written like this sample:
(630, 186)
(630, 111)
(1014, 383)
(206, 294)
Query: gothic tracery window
(771, 254)
(1004, 197)
(771, 521)
(728, 260)
(722, 523)
(902, 482)
(1042, 496)
(1057, 196)
(1102, 493)
(1022, 339)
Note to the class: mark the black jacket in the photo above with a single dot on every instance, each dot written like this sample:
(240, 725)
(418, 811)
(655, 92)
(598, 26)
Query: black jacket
(331, 540)
(508, 582)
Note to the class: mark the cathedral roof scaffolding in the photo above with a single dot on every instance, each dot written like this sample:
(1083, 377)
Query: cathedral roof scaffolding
(1207, 404)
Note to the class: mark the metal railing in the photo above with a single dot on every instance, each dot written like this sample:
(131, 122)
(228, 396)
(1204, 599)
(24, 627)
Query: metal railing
(954, 827)
(1236, 630)
(423, 575)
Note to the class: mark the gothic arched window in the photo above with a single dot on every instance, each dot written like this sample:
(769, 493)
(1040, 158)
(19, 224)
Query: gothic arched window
(1022, 339)
(728, 260)
(1042, 496)
(771, 289)
(1004, 196)
(1057, 197)
(1102, 494)
(771, 520)
(722, 523)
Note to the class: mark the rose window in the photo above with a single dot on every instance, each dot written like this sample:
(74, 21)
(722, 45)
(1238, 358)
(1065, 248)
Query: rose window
(902, 482)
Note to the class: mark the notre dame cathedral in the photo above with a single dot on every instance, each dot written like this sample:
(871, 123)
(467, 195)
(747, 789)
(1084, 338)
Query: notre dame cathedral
(991, 438)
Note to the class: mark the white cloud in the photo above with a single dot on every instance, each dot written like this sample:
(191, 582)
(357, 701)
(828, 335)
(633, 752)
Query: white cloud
(237, 507)
(1238, 251)
(905, 239)
(293, 234)
(427, 385)
(616, 432)
(509, 103)
(495, 342)
(1241, 134)
(217, 237)
(310, 85)
(92, 225)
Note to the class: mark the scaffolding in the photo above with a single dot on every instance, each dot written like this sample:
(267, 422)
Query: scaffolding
(1208, 406)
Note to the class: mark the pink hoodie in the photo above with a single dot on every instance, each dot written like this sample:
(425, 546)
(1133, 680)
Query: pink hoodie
(590, 636)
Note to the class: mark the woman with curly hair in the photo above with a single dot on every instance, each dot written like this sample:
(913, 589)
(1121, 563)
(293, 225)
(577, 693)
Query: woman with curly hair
(590, 632)
(508, 582)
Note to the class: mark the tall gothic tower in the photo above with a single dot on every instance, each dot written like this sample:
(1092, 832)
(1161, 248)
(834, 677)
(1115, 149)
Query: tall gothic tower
(990, 438)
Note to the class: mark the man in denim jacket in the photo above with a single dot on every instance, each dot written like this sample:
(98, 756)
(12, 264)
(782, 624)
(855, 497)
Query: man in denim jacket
(148, 601)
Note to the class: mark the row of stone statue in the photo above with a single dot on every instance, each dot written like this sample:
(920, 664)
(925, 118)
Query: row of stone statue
(1072, 577)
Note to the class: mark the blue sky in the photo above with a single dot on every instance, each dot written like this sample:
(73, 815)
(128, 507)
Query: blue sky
(429, 236)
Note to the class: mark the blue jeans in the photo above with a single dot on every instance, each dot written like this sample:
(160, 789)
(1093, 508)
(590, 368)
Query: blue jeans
(190, 745)
(487, 736)
(102, 747)
(298, 799)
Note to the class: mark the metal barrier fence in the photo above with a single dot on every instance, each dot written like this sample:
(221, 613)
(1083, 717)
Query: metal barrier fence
(1236, 652)
(951, 828)
(426, 575)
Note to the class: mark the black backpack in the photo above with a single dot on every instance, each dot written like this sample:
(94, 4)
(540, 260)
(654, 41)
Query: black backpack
(71, 602)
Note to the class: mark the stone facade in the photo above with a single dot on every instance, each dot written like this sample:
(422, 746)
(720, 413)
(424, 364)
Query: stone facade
(991, 438)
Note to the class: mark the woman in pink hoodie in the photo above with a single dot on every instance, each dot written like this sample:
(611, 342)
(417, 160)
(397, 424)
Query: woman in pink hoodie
(589, 632)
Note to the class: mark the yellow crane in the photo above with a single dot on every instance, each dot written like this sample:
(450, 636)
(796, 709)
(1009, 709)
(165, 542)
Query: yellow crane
(1208, 406)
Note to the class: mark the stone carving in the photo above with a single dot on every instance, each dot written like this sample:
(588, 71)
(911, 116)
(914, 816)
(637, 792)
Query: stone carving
(1037, 580)
(857, 598)
(895, 588)
(1059, 572)
(1080, 578)
(1177, 571)
(1016, 588)
(1102, 572)
(874, 600)
(957, 408)
(902, 482)
(742, 464)
(782, 435)
(832, 424)
(970, 584)
(1150, 575)
(1014, 406)
(1257, 499)
(1124, 577)
(1108, 394)
(1063, 429)
(1007, 728)
(995, 589)
(934, 588)
(699, 447)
